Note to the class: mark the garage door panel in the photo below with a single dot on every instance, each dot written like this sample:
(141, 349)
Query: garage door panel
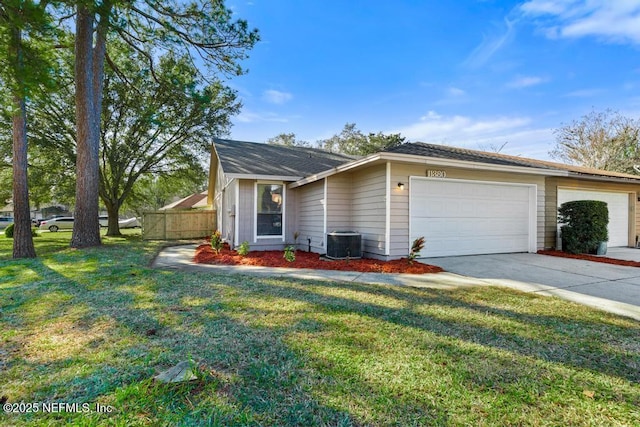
(617, 204)
(467, 217)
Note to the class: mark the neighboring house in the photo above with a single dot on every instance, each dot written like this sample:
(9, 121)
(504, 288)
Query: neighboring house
(194, 201)
(7, 210)
(462, 201)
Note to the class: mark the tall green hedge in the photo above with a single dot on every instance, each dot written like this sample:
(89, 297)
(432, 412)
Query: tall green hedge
(585, 225)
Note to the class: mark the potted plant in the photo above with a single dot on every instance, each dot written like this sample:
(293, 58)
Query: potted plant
(585, 226)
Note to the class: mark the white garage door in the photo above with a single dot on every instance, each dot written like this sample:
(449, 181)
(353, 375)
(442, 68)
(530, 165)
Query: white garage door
(468, 217)
(618, 205)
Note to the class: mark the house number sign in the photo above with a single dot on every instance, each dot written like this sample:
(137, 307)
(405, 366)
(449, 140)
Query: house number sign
(436, 173)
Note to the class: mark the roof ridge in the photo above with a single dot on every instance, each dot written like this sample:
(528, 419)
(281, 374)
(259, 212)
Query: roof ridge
(286, 147)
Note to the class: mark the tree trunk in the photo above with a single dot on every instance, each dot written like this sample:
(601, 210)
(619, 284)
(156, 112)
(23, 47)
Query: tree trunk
(22, 239)
(113, 209)
(86, 228)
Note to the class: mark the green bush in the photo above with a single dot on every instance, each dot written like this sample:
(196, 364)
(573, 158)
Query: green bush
(289, 254)
(585, 225)
(243, 249)
(8, 232)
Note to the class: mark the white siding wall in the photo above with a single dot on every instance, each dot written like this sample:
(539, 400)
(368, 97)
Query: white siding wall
(245, 212)
(224, 205)
(246, 218)
(339, 203)
(227, 224)
(310, 217)
(400, 199)
(368, 208)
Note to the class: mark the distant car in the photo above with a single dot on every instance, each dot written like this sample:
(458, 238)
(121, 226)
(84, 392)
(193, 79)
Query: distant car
(123, 223)
(129, 223)
(55, 224)
(5, 221)
(37, 222)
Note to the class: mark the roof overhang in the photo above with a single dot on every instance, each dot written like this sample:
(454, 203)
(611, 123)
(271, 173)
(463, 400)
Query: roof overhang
(605, 178)
(264, 177)
(436, 161)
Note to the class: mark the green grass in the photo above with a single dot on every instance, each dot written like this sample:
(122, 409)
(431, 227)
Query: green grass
(94, 326)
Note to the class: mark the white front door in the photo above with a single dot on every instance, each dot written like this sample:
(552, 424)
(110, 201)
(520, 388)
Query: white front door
(460, 217)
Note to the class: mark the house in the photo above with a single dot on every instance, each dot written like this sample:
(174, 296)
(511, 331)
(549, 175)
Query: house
(462, 201)
(193, 201)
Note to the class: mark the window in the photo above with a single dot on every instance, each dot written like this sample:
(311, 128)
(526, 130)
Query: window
(269, 203)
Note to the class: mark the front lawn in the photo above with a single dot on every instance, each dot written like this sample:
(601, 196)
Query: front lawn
(94, 326)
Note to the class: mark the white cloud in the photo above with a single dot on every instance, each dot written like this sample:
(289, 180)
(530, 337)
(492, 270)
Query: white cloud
(455, 91)
(478, 133)
(490, 45)
(276, 96)
(542, 6)
(247, 116)
(526, 81)
(614, 21)
(475, 133)
(431, 115)
(583, 93)
(460, 130)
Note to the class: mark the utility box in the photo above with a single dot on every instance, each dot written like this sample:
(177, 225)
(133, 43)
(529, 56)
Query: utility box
(344, 244)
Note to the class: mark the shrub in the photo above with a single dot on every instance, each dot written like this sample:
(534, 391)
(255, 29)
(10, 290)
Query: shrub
(416, 247)
(216, 241)
(243, 249)
(585, 225)
(8, 232)
(289, 253)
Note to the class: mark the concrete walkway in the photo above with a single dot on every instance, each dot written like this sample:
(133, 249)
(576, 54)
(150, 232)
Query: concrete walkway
(610, 288)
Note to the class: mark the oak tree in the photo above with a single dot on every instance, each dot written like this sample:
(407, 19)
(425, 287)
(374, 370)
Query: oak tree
(154, 126)
(203, 30)
(601, 140)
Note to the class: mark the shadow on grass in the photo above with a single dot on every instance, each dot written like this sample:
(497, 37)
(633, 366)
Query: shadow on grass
(310, 364)
(253, 377)
(559, 340)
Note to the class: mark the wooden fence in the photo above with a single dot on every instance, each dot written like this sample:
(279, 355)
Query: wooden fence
(175, 225)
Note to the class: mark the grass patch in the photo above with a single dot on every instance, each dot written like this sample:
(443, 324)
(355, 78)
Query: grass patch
(94, 326)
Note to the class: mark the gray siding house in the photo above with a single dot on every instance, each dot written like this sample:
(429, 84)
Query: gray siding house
(462, 201)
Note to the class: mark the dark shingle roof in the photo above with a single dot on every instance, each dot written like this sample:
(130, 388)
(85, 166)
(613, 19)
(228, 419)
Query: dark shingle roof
(240, 157)
(189, 202)
(252, 158)
(447, 152)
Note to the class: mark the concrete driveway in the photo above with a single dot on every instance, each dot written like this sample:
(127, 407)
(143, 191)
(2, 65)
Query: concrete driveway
(610, 287)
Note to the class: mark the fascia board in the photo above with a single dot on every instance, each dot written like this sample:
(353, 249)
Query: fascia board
(264, 177)
(409, 158)
(472, 165)
(620, 180)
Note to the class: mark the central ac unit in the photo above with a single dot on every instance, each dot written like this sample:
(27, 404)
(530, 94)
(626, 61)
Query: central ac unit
(344, 244)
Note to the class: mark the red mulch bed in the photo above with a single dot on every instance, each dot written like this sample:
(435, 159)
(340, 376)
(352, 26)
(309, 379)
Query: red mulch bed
(206, 255)
(593, 258)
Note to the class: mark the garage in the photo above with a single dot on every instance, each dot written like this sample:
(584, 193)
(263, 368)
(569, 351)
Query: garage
(618, 205)
(462, 217)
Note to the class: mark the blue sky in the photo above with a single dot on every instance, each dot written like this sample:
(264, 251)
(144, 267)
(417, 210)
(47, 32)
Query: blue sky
(466, 73)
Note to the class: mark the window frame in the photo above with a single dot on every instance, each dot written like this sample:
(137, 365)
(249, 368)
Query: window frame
(256, 201)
